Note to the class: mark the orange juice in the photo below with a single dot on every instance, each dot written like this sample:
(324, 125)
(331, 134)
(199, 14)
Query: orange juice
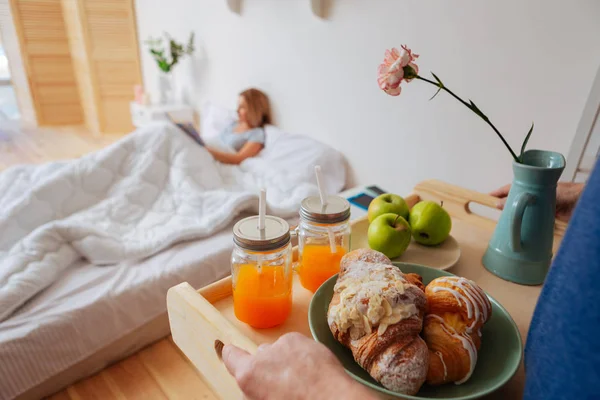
(318, 264)
(262, 299)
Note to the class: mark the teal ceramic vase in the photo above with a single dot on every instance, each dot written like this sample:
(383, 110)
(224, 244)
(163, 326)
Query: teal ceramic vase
(521, 248)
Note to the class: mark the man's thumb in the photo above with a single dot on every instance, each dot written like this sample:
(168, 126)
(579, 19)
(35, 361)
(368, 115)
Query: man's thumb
(235, 359)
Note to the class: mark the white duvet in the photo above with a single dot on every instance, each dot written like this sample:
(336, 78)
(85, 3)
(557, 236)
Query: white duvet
(137, 197)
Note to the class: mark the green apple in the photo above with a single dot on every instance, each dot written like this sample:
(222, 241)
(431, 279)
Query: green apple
(389, 234)
(387, 203)
(430, 223)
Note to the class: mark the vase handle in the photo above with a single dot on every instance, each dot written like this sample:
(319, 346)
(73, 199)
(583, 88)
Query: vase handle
(518, 207)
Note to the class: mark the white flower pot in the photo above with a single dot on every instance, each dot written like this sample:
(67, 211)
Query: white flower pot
(166, 87)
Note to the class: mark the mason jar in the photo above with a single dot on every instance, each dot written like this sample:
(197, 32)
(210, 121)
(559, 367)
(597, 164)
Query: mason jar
(323, 239)
(261, 270)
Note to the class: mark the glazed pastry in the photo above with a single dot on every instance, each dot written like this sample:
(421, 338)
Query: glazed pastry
(456, 310)
(375, 257)
(365, 255)
(378, 314)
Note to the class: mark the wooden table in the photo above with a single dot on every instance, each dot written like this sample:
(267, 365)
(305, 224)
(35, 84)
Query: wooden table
(198, 318)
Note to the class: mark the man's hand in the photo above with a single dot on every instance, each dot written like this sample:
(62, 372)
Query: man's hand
(292, 368)
(567, 195)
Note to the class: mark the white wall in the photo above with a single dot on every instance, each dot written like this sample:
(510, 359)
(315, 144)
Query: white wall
(520, 61)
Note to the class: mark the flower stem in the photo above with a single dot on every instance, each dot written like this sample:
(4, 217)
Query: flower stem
(476, 110)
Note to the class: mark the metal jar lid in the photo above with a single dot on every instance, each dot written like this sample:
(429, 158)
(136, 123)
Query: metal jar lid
(336, 210)
(275, 235)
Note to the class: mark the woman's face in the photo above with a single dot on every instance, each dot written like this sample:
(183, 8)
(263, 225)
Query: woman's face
(242, 109)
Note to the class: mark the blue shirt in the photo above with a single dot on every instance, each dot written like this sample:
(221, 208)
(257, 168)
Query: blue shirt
(562, 356)
(237, 140)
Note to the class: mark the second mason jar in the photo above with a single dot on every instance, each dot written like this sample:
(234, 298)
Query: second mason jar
(323, 239)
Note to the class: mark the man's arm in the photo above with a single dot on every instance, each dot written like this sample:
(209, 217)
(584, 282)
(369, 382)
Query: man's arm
(562, 356)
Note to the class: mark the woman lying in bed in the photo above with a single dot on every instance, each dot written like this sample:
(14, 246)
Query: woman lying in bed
(246, 136)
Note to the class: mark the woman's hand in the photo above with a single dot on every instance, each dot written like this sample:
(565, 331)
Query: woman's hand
(567, 195)
(292, 368)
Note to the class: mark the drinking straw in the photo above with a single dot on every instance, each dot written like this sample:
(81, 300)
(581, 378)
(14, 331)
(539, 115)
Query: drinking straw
(262, 211)
(323, 197)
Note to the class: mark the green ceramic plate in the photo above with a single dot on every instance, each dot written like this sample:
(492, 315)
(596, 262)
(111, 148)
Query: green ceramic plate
(499, 356)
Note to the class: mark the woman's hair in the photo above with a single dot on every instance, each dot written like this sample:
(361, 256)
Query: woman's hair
(259, 110)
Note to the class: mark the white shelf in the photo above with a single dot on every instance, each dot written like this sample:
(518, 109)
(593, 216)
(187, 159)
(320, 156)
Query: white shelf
(144, 114)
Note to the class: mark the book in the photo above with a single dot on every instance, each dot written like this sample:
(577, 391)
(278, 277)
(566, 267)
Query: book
(188, 128)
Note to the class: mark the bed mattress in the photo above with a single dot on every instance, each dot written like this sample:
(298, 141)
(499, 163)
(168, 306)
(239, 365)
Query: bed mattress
(93, 316)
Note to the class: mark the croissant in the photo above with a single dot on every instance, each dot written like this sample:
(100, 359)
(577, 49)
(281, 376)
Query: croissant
(375, 257)
(377, 312)
(456, 310)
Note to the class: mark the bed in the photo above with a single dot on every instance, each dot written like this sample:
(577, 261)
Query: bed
(96, 315)
(90, 315)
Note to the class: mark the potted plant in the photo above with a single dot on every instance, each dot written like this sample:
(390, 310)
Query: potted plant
(166, 58)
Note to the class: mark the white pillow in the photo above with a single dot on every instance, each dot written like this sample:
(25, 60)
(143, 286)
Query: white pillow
(298, 154)
(214, 119)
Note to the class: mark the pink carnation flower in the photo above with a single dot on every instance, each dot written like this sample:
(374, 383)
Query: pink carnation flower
(391, 72)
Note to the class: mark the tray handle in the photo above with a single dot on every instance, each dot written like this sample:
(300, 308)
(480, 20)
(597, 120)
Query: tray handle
(195, 326)
(457, 202)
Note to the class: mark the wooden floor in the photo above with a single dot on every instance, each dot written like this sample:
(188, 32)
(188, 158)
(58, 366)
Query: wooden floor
(159, 371)
(28, 145)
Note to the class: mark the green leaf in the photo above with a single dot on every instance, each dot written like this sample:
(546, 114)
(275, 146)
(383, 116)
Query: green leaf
(174, 51)
(164, 66)
(437, 79)
(524, 145)
(436, 93)
(477, 111)
(475, 108)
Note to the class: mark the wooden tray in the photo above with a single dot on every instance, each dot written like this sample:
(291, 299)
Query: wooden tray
(198, 318)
